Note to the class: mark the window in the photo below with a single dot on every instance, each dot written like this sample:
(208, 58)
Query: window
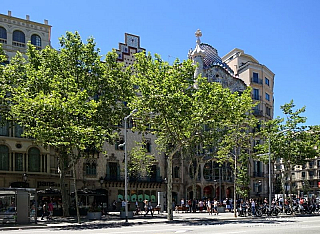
(91, 169)
(153, 173)
(303, 174)
(310, 164)
(3, 35)
(112, 171)
(4, 158)
(147, 145)
(258, 186)
(207, 171)
(18, 130)
(18, 162)
(4, 128)
(255, 77)
(256, 94)
(268, 111)
(267, 96)
(267, 81)
(36, 40)
(119, 142)
(34, 160)
(176, 172)
(18, 38)
(311, 173)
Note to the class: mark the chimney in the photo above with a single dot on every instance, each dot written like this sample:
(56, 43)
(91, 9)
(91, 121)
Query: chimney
(27, 17)
(9, 13)
(46, 22)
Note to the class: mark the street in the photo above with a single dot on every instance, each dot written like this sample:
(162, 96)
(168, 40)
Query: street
(283, 225)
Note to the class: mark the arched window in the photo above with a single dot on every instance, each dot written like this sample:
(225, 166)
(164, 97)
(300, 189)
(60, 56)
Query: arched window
(91, 169)
(18, 38)
(36, 40)
(3, 35)
(207, 171)
(4, 158)
(34, 160)
(176, 172)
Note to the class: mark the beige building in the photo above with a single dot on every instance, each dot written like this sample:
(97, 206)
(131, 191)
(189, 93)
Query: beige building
(15, 34)
(20, 155)
(261, 80)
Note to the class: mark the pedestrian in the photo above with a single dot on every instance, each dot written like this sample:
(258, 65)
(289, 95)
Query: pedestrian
(44, 210)
(253, 207)
(228, 207)
(200, 205)
(50, 210)
(148, 207)
(209, 206)
(215, 206)
(190, 205)
(114, 205)
(194, 205)
(137, 208)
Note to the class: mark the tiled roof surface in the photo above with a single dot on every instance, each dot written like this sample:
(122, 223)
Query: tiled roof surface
(212, 58)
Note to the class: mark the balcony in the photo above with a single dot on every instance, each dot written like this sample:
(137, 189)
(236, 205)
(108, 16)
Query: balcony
(256, 81)
(257, 112)
(118, 178)
(256, 97)
(258, 174)
(19, 44)
(3, 41)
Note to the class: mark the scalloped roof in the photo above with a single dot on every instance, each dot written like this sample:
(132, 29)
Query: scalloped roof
(212, 58)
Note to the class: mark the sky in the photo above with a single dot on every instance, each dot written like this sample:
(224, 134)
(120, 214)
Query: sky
(282, 35)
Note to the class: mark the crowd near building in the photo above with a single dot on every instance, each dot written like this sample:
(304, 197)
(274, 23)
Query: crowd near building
(100, 178)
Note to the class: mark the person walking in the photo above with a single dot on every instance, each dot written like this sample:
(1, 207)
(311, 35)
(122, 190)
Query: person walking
(209, 206)
(50, 210)
(253, 207)
(44, 210)
(215, 206)
(147, 207)
(114, 205)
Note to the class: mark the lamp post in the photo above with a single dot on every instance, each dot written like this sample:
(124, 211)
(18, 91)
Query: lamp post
(269, 154)
(126, 162)
(101, 180)
(25, 179)
(270, 188)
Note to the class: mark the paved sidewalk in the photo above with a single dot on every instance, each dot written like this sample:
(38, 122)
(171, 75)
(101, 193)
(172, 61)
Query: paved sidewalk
(113, 219)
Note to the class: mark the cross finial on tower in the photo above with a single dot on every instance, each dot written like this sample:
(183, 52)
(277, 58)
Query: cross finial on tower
(198, 34)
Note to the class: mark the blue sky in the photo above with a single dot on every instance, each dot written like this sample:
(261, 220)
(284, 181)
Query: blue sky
(283, 35)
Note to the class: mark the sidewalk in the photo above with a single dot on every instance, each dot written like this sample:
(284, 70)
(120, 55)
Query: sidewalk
(113, 219)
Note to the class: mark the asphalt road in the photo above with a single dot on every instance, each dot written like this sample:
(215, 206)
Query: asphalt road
(283, 225)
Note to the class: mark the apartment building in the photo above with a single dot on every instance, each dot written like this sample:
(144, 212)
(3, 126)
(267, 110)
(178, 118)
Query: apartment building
(261, 79)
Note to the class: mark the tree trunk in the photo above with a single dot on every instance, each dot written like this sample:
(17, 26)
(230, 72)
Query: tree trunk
(235, 187)
(64, 195)
(169, 188)
(75, 191)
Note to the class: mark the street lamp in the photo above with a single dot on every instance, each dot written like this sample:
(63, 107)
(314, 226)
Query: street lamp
(269, 154)
(101, 180)
(25, 177)
(124, 144)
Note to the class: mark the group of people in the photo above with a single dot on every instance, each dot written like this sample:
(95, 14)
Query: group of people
(192, 205)
(47, 210)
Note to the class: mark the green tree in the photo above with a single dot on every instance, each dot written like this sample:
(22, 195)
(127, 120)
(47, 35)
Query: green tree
(68, 99)
(182, 113)
(291, 141)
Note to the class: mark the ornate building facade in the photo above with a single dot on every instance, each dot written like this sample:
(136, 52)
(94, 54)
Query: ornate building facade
(25, 164)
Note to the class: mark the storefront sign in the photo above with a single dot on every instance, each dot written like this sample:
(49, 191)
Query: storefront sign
(47, 184)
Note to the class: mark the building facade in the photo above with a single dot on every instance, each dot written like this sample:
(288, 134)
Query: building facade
(25, 164)
(261, 80)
